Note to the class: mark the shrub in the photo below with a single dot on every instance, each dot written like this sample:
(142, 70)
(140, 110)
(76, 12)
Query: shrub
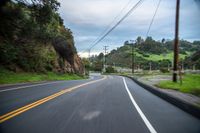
(164, 70)
(110, 69)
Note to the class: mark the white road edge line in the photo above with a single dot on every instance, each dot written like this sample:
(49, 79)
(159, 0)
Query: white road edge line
(27, 86)
(147, 123)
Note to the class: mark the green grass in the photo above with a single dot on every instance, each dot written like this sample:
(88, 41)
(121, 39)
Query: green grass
(168, 56)
(8, 77)
(191, 84)
(155, 57)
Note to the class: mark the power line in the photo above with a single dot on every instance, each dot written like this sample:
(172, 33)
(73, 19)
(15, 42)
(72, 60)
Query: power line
(111, 29)
(105, 52)
(108, 26)
(126, 15)
(153, 18)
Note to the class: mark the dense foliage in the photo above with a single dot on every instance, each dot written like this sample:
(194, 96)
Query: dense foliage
(32, 35)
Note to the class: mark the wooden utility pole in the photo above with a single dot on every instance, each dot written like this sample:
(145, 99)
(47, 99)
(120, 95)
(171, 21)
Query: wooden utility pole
(105, 52)
(133, 60)
(132, 57)
(176, 41)
(89, 53)
(89, 60)
(149, 66)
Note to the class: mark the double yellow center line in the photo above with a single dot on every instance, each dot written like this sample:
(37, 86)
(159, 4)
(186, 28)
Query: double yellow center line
(18, 111)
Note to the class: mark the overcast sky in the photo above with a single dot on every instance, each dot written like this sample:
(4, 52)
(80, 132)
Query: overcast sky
(89, 18)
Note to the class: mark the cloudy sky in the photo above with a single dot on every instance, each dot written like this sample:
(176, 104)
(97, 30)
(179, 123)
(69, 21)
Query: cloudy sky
(88, 19)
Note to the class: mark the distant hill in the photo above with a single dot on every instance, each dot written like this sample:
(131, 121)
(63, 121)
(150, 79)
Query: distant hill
(158, 53)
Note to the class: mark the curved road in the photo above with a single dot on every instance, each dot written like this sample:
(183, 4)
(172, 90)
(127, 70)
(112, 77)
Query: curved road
(109, 104)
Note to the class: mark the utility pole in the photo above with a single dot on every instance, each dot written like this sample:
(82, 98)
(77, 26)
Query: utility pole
(133, 63)
(89, 53)
(168, 66)
(193, 67)
(89, 61)
(176, 41)
(132, 57)
(149, 66)
(182, 68)
(114, 65)
(105, 52)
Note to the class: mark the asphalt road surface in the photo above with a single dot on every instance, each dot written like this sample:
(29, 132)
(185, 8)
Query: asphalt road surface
(103, 104)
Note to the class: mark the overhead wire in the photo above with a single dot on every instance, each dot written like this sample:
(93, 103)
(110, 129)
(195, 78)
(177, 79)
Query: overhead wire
(113, 27)
(117, 16)
(126, 15)
(110, 24)
(152, 20)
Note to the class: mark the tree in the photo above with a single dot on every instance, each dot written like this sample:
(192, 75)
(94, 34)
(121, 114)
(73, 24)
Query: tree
(139, 40)
(86, 64)
(100, 56)
(149, 40)
(126, 43)
(98, 66)
(110, 69)
(163, 40)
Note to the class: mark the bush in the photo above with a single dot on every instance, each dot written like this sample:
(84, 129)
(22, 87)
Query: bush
(110, 69)
(164, 70)
(146, 55)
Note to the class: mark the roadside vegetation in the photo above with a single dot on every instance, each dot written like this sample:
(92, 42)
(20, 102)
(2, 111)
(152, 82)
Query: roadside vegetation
(33, 38)
(10, 77)
(190, 84)
(34, 43)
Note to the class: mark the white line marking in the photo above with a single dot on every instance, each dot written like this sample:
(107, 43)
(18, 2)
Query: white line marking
(147, 123)
(27, 86)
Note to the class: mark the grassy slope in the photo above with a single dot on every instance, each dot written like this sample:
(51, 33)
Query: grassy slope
(191, 84)
(7, 77)
(155, 57)
(168, 56)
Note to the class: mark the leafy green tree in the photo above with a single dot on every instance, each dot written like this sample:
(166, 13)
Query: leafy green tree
(100, 56)
(98, 66)
(110, 69)
(163, 41)
(126, 43)
(139, 40)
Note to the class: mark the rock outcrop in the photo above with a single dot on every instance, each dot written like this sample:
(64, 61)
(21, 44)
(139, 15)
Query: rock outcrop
(68, 60)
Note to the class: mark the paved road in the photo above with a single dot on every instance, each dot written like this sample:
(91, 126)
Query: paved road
(112, 104)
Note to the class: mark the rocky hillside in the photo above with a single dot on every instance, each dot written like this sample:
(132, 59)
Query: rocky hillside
(34, 39)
